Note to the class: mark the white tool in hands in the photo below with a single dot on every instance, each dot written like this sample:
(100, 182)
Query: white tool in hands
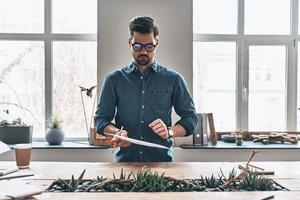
(139, 142)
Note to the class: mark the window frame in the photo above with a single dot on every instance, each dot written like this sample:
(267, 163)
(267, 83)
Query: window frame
(242, 63)
(48, 38)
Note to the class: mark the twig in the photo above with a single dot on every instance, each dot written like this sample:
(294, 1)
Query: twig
(256, 167)
(14, 104)
(193, 186)
(262, 172)
(280, 185)
(87, 129)
(14, 91)
(228, 183)
(93, 111)
(105, 183)
(269, 197)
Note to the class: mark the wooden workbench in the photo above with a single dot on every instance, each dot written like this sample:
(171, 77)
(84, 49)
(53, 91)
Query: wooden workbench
(286, 174)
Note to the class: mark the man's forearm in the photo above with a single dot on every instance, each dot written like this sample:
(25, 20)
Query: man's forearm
(178, 131)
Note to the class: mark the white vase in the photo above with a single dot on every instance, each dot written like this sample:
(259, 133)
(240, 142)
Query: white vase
(55, 136)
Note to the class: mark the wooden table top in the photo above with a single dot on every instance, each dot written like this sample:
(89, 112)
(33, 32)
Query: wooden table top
(286, 174)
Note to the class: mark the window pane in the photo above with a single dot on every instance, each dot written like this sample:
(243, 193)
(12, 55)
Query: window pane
(267, 17)
(215, 81)
(22, 80)
(19, 16)
(215, 16)
(74, 16)
(267, 88)
(74, 64)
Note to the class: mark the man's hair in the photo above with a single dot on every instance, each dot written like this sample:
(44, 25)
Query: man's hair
(143, 24)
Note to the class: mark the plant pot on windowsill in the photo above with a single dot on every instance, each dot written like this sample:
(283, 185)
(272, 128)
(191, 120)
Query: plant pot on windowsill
(54, 134)
(16, 134)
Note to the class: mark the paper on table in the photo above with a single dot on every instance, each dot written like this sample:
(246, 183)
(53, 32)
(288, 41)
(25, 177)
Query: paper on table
(139, 142)
(18, 174)
(3, 147)
(8, 170)
(17, 189)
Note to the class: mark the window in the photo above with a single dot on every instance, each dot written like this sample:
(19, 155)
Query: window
(74, 64)
(70, 21)
(221, 19)
(251, 53)
(27, 17)
(267, 97)
(267, 17)
(46, 51)
(22, 78)
(214, 81)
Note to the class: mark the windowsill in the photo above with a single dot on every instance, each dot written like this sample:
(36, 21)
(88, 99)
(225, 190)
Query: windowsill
(246, 145)
(65, 145)
(220, 145)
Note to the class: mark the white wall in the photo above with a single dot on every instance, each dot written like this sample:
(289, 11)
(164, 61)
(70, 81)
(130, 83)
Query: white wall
(174, 18)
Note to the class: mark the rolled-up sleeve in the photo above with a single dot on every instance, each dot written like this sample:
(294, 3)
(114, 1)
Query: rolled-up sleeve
(184, 106)
(107, 104)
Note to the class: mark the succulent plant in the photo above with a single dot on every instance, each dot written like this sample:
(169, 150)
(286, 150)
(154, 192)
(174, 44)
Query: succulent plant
(16, 122)
(71, 186)
(253, 181)
(147, 181)
(211, 182)
(54, 121)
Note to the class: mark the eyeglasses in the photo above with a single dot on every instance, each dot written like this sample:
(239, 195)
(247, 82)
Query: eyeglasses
(148, 47)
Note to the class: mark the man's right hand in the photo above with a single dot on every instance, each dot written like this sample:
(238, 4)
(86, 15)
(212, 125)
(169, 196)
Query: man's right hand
(119, 142)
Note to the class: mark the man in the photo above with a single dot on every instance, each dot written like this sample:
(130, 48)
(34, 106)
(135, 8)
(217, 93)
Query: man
(143, 94)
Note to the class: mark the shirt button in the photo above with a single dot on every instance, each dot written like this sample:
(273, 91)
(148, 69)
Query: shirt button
(143, 106)
(141, 152)
(143, 92)
(142, 77)
(142, 138)
(142, 122)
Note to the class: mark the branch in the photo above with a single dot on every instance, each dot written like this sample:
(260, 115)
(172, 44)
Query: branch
(101, 185)
(228, 183)
(186, 182)
(14, 104)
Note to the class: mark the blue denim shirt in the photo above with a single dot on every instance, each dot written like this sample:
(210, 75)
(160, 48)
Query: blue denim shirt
(136, 100)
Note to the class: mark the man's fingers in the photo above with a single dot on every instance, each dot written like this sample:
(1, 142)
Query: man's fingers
(158, 126)
(163, 134)
(127, 144)
(161, 129)
(119, 142)
(154, 123)
(115, 140)
(123, 144)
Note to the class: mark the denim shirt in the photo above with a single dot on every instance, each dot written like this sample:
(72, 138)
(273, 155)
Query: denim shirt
(135, 100)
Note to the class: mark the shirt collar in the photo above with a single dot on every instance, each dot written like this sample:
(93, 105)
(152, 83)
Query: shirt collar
(132, 66)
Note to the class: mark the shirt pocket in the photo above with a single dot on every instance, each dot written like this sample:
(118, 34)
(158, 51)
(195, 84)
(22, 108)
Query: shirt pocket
(160, 98)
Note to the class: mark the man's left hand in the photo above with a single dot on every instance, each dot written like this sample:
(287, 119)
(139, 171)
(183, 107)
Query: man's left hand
(160, 128)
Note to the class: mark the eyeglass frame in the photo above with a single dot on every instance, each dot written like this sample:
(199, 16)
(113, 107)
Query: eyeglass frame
(143, 46)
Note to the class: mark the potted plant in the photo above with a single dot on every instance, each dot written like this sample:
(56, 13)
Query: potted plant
(15, 132)
(55, 134)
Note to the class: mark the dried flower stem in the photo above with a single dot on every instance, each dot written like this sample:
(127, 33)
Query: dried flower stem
(228, 183)
(105, 183)
(186, 182)
(87, 129)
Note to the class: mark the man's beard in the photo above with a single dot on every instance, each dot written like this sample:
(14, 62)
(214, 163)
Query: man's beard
(143, 60)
